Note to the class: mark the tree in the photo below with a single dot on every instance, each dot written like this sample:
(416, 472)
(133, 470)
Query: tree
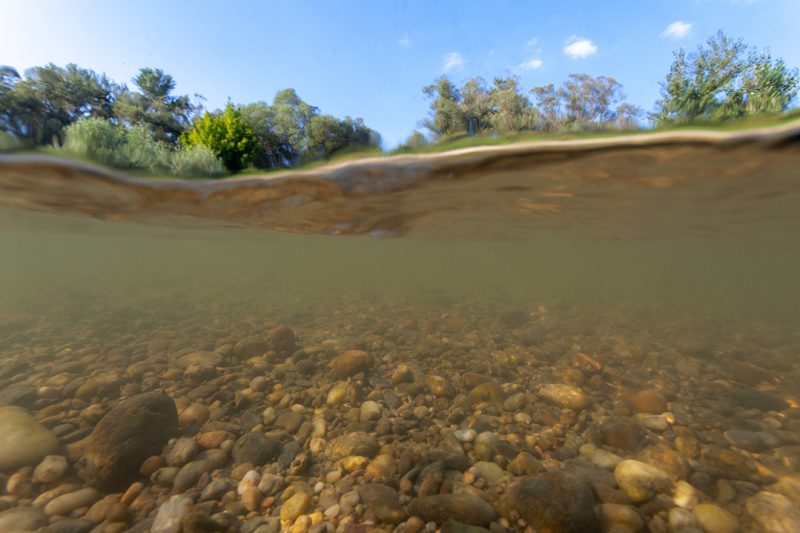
(446, 116)
(723, 80)
(166, 116)
(548, 105)
(511, 111)
(50, 98)
(476, 106)
(227, 135)
(291, 119)
(590, 100)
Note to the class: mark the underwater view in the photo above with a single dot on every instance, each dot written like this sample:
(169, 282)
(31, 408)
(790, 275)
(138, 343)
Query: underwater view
(561, 315)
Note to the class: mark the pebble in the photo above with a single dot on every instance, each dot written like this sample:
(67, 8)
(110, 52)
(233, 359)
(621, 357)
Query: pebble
(649, 401)
(23, 440)
(66, 503)
(370, 411)
(640, 481)
(617, 518)
(50, 469)
(350, 363)
(714, 519)
(170, 515)
(22, 519)
(464, 508)
(465, 435)
(773, 512)
(298, 504)
(564, 396)
(685, 495)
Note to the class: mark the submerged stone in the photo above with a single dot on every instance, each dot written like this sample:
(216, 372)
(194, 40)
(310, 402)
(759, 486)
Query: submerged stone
(23, 440)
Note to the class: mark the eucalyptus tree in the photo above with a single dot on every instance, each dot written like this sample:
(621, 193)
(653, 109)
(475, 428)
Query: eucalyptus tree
(446, 116)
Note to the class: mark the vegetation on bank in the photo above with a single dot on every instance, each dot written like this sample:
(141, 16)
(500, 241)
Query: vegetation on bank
(149, 130)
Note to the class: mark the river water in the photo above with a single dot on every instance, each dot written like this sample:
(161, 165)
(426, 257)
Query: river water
(653, 278)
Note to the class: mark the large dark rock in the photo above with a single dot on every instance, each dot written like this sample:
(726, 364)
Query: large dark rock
(557, 502)
(131, 432)
(464, 508)
(256, 448)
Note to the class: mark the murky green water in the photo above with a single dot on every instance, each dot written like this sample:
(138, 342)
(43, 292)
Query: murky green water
(675, 266)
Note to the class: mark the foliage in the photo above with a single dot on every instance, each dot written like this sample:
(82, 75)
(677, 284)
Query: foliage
(582, 102)
(165, 116)
(136, 149)
(49, 98)
(227, 135)
(724, 80)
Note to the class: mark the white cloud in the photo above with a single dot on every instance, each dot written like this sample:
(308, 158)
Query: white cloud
(405, 42)
(533, 42)
(677, 29)
(531, 64)
(453, 60)
(579, 48)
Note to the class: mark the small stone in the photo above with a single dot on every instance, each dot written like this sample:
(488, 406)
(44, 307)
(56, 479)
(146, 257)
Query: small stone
(282, 340)
(681, 519)
(171, 514)
(488, 392)
(685, 495)
(23, 440)
(556, 501)
(50, 469)
(640, 481)
(131, 432)
(465, 435)
(439, 386)
(298, 504)
(370, 411)
(183, 451)
(384, 502)
(350, 363)
(22, 519)
(649, 401)
(773, 512)
(745, 440)
(464, 508)
(485, 445)
(194, 416)
(622, 433)
(66, 503)
(256, 449)
(382, 467)
(564, 396)
(356, 443)
(714, 519)
(525, 464)
(606, 459)
(619, 518)
(250, 347)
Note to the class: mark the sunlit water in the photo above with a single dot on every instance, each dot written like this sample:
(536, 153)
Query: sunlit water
(643, 256)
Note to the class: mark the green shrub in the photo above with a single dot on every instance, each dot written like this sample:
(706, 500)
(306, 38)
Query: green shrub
(96, 139)
(227, 135)
(196, 161)
(136, 149)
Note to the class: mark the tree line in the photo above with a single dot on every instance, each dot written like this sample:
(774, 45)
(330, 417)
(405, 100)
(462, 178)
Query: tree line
(86, 112)
(149, 128)
(722, 80)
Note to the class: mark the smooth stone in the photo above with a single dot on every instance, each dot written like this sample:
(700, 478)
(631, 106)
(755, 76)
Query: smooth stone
(788, 486)
(22, 519)
(23, 440)
(641, 481)
(774, 513)
(66, 503)
(256, 449)
(382, 467)
(50, 469)
(680, 519)
(623, 433)
(350, 363)
(714, 519)
(464, 508)
(491, 472)
(370, 410)
(746, 440)
(555, 501)
(564, 396)
(465, 435)
(282, 339)
(292, 508)
(515, 402)
(356, 443)
(451, 526)
(488, 392)
(618, 518)
(187, 476)
(649, 401)
(203, 359)
(183, 451)
(685, 495)
(485, 445)
(132, 431)
(195, 415)
(440, 386)
(170, 515)
(384, 502)
(605, 459)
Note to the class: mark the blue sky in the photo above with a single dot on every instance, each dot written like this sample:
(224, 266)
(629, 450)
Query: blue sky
(370, 59)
